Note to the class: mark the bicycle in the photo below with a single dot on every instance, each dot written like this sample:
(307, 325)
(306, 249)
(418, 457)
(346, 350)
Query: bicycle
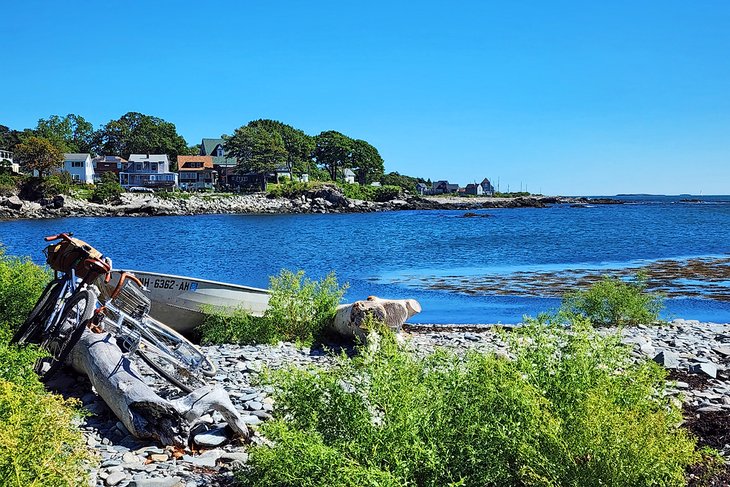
(124, 312)
(66, 305)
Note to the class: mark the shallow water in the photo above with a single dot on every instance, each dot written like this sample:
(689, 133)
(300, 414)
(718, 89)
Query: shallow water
(410, 253)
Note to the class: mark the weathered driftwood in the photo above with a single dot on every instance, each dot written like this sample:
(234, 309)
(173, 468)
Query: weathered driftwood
(138, 407)
(350, 318)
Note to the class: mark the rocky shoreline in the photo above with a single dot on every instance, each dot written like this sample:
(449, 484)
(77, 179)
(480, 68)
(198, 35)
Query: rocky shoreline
(696, 354)
(322, 200)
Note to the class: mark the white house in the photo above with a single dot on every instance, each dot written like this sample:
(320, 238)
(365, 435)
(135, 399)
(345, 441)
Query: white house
(349, 176)
(80, 168)
(6, 155)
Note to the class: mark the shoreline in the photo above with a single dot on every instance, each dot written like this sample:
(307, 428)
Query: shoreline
(318, 201)
(691, 351)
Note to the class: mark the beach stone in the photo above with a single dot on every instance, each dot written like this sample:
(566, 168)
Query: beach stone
(158, 482)
(115, 478)
(724, 351)
(213, 438)
(706, 368)
(667, 359)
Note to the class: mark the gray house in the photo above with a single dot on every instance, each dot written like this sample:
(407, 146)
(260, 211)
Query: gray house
(422, 188)
(474, 189)
(444, 187)
(148, 171)
(487, 187)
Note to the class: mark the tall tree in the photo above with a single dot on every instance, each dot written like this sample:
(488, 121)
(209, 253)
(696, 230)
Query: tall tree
(9, 138)
(137, 133)
(71, 133)
(332, 151)
(298, 145)
(256, 149)
(365, 160)
(39, 154)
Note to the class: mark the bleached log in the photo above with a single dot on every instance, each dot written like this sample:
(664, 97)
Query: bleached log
(144, 413)
(350, 318)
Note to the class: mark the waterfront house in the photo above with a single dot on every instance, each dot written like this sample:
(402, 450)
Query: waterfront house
(474, 189)
(196, 172)
(444, 187)
(222, 163)
(149, 171)
(421, 188)
(80, 167)
(105, 164)
(6, 158)
(248, 182)
(487, 187)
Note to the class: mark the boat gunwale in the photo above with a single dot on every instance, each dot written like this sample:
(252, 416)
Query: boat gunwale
(206, 281)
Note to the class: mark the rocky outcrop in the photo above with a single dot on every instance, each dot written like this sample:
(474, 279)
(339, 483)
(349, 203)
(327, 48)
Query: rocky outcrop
(327, 199)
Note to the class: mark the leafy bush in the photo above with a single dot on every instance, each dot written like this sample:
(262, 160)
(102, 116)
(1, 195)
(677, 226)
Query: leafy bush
(108, 189)
(9, 184)
(38, 443)
(571, 409)
(299, 310)
(612, 301)
(173, 195)
(289, 189)
(371, 193)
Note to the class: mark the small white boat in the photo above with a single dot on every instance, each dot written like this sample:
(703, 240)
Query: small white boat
(176, 300)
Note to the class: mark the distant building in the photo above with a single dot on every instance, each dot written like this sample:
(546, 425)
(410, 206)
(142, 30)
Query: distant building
(196, 172)
(421, 188)
(80, 167)
(487, 187)
(250, 182)
(105, 164)
(149, 171)
(222, 163)
(349, 176)
(474, 189)
(444, 187)
(6, 155)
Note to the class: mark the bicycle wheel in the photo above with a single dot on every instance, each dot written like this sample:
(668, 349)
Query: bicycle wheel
(157, 332)
(31, 331)
(173, 357)
(76, 315)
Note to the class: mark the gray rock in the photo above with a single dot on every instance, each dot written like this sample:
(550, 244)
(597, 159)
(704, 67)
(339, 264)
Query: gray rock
(115, 478)
(706, 368)
(14, 203)
(166, 482)
(207, 459)
(211, 439)
(667, 359)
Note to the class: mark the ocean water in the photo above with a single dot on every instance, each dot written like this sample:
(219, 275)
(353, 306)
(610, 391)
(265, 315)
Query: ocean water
(406, 254)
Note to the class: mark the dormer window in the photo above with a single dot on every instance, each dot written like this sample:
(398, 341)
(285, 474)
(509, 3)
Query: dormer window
(219, 151)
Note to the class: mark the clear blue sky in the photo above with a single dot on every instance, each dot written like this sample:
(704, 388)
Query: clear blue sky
(563, 97)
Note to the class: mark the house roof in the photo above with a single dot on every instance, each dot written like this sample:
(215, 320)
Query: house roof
(148, 157)
(209, 145)
(348, 172)
(486, 181)
(184, 161)
(76, 157)
(109, 159)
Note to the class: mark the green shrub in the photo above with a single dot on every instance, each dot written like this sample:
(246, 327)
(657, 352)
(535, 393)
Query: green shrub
(371, 193)
(235, 326)
(108, 190)
(38, 443)
(299, 310)
(612, 301)
(173, 195)
(21, 283)
(571, 409)
(9, 184)
(288, 189)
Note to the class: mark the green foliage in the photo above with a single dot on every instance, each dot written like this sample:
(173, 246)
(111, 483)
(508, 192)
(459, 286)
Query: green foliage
(570, 409)
(407, 183)
(299, 310)
(290, 189)
(366, 161)
(38, 154)
(173, 195)
(371, 193)
(612, 301)
(137, 133)
(9, 184)
(256, 149)
(108, 190)
(38, 443)
(71, 133)
(298, 145)
(513, 194)
(332, 151)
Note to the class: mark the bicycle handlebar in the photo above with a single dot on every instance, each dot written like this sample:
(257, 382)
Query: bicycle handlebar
(64, 236)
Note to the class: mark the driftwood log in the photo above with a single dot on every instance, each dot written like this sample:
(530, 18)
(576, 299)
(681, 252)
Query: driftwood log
(350, 318)
(145, 414)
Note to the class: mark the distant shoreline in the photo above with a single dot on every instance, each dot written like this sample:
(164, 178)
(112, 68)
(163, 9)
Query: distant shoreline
(325, 200)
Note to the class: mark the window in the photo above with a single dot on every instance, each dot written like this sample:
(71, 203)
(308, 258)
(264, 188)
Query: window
(77, 164)
(138, 166)
(219, 151)
(76, 177)
(154, 166)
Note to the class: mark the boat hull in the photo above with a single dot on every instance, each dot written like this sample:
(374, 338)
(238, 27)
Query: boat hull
(177, 300)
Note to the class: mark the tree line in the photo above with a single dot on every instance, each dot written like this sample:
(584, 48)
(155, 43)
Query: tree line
(259, 146)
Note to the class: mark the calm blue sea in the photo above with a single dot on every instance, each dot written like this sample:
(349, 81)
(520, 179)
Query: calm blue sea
(397, 254)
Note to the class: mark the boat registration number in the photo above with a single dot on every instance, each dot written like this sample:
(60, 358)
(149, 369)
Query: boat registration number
(176, 284)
